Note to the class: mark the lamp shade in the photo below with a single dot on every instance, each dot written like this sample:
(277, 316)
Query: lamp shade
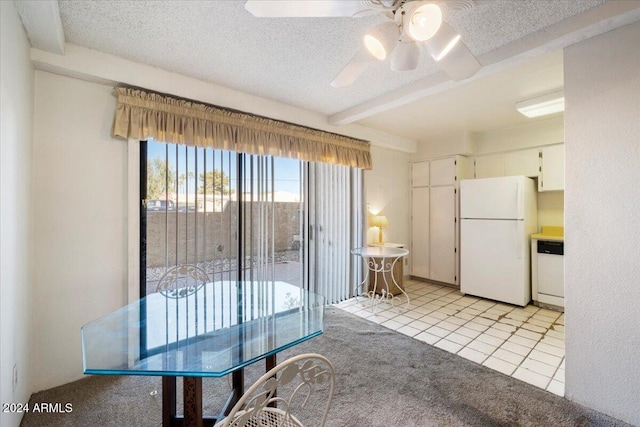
(381, 40)
(379, 221)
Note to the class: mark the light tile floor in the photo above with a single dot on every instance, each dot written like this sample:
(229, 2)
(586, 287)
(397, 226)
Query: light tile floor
(525, 343)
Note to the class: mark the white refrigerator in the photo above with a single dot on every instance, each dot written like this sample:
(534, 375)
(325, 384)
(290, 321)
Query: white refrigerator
(497, 217)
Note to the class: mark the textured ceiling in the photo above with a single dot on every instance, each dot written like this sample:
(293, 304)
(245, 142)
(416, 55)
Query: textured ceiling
(479, 105)
(288, 60)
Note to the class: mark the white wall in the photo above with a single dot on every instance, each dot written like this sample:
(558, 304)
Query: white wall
(80, 240)
(93, 65)
(80, 224)
(550, 208)
(602, 258)
(458, 143)
(539, 132)
(387, 192)
(16, 141)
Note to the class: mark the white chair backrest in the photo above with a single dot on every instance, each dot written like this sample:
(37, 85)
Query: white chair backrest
(182, 280)
(281, 395)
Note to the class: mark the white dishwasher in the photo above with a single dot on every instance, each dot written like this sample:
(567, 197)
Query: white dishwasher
(548, 272)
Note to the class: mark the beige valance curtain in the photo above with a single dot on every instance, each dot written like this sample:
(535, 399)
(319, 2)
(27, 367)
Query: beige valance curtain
(142, 115)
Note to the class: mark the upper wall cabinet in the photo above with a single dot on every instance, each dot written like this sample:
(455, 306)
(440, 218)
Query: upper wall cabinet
(443, 172)
(449, 171)
(552, 168)
(489, 166)
(420, 174)
(545, 163)
(522, 162)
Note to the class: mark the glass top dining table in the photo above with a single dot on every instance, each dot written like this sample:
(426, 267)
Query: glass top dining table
(209, 330)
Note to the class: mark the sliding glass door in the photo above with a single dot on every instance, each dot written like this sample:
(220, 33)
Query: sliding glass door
(236, 216)
(271, 215)
(232, 215)
(189, 213)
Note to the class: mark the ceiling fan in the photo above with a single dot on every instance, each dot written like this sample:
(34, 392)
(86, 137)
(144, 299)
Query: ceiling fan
(413, 23)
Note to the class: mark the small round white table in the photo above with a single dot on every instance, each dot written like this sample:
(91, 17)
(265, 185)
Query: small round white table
(381, 259)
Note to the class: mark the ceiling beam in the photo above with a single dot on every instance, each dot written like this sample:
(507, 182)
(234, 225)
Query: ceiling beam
(42, 22)
(593, 22)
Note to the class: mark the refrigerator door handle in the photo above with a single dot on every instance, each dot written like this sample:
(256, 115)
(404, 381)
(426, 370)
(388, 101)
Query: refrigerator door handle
(519, 195)
(519, 237)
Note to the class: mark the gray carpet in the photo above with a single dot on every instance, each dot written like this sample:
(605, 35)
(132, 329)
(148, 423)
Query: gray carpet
(383, 378)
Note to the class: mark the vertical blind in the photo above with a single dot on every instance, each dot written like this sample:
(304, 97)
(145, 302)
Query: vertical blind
(334, 219)
(258, 248)
(214, 212)
(212, 209)
(219, 212)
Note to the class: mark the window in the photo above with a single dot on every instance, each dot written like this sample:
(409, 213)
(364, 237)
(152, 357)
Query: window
(246, 217)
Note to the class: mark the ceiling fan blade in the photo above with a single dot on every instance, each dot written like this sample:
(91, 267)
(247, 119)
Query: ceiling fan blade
(304, 9)
(460, 63)
(353, 69)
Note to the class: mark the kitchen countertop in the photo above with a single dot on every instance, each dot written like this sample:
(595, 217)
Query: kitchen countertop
(550, 232)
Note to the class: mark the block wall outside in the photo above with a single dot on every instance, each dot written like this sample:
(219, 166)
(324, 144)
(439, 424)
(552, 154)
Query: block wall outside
(210, 236)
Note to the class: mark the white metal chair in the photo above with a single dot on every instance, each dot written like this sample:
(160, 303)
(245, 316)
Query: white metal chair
(182, 280)
(286, 388)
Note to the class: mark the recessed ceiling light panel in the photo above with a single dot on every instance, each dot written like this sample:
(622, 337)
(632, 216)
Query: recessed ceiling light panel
(543, 105)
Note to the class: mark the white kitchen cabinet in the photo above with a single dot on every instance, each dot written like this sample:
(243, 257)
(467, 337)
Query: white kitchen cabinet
(420, 219)
(450, 170)
(420, 174)
(434, 243)
(552, 165)
(420, 232)
(489, 166)
(522, 162)
(443, 247)
(443, 172)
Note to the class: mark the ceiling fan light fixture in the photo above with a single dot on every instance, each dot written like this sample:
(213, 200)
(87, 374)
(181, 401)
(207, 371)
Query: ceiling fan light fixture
(446, 39)
(424, 20)
(405, 56)
(381, 40)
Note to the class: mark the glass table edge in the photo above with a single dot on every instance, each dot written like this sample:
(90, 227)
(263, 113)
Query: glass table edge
(93, 371)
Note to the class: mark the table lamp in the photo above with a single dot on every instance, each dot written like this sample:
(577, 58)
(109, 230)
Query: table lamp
(379, 221)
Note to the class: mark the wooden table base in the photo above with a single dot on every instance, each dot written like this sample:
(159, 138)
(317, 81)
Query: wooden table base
(192, 396)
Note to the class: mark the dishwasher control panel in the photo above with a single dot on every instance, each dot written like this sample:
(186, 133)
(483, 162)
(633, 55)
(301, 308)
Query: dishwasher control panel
(550, 247)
